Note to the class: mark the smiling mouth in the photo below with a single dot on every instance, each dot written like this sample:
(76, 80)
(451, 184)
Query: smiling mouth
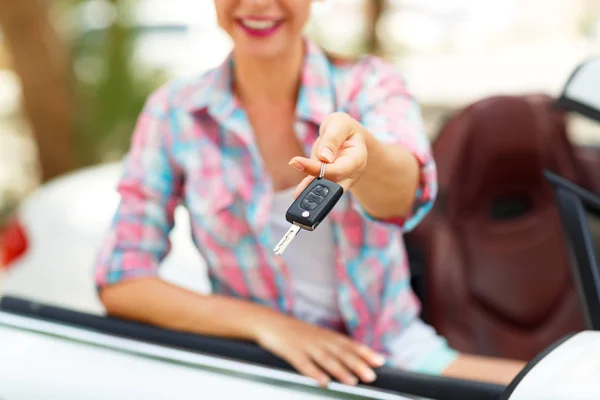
(259, 24)
(259, 27)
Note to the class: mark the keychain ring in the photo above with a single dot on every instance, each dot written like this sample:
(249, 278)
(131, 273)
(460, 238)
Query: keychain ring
(322, 173)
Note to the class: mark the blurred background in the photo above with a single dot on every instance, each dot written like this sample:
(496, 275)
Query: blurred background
(74, 73)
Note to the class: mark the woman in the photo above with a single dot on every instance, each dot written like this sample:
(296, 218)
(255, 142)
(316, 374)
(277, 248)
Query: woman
(235, 145)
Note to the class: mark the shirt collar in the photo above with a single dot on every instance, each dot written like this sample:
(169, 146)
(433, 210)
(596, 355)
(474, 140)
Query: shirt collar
(316, 97)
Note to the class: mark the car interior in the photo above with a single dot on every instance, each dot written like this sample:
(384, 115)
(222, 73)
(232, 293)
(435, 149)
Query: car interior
(490, 262)
(495, 273)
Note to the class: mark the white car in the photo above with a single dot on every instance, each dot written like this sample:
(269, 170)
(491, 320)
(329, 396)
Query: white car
(51, 244)
(50, 352)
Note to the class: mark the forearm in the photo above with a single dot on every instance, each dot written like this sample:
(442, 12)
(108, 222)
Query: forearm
(159, 303)
(484, 369)
(388, 186)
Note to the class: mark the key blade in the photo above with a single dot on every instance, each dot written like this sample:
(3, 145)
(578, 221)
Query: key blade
(286, 239)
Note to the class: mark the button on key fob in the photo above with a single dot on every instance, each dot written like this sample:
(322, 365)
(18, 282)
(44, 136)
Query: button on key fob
(310, 209)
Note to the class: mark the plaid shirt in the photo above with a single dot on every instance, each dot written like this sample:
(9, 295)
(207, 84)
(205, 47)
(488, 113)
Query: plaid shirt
(193, 145)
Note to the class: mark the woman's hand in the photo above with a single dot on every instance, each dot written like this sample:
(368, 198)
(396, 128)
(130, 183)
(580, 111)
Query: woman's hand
(341, 144)
(317, 352)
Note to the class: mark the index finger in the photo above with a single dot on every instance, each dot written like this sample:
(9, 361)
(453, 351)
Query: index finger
(371, 356)
(333, 133)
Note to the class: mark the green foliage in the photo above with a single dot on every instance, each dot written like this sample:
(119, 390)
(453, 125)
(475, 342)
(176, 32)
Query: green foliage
(110, 88)
(7, 207)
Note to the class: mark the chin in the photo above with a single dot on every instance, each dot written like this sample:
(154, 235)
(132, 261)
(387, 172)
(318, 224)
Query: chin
(264, 50)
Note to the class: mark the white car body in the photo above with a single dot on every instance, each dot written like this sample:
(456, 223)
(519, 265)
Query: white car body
(44, 360)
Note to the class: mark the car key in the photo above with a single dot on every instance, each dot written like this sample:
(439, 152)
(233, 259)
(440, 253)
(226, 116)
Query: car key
(310, 208)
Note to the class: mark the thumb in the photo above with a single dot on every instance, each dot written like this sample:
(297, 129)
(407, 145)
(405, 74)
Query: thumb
(326, 149)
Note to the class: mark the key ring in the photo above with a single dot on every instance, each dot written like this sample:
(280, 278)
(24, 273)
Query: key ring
(322, 173)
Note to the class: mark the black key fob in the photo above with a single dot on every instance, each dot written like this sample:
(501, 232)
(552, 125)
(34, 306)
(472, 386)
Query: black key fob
(314, 203)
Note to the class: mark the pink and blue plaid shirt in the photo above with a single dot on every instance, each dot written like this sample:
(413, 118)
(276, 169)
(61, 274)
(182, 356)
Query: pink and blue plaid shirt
(193, 145)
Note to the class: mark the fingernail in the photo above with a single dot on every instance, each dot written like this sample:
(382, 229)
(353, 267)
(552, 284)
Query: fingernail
(327, 154)
(369, 375)
(351, 380)
(296, 165)
(379, 359)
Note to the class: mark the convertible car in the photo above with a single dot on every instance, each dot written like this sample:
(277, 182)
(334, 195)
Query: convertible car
(56, 342)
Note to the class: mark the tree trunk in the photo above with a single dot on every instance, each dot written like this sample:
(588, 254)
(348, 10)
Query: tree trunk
(375, 9)
(41, 60)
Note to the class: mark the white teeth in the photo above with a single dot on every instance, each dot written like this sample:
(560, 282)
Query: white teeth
(256, 24)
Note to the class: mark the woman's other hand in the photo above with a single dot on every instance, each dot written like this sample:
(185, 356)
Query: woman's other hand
(319, 353)
(341, 144)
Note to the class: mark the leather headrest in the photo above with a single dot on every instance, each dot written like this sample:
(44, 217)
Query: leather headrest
(504, 144)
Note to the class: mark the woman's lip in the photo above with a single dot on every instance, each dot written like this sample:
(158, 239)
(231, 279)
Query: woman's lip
(259, 18)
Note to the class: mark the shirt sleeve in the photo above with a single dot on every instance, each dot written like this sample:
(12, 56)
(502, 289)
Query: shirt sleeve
(392, 115)
(149, 189)
(420, 349)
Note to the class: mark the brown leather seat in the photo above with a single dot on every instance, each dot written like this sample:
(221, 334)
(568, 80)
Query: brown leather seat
(496, 270)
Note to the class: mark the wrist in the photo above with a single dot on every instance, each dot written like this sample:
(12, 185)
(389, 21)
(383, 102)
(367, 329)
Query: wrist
(387, 187)
(363, 186)
(375, 148)
(375, 155)
(263, 321)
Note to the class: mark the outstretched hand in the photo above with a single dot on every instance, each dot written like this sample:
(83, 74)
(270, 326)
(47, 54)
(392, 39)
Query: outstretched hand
(341, 144)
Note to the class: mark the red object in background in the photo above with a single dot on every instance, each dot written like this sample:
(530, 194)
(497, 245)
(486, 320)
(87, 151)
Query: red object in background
(13, 242)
